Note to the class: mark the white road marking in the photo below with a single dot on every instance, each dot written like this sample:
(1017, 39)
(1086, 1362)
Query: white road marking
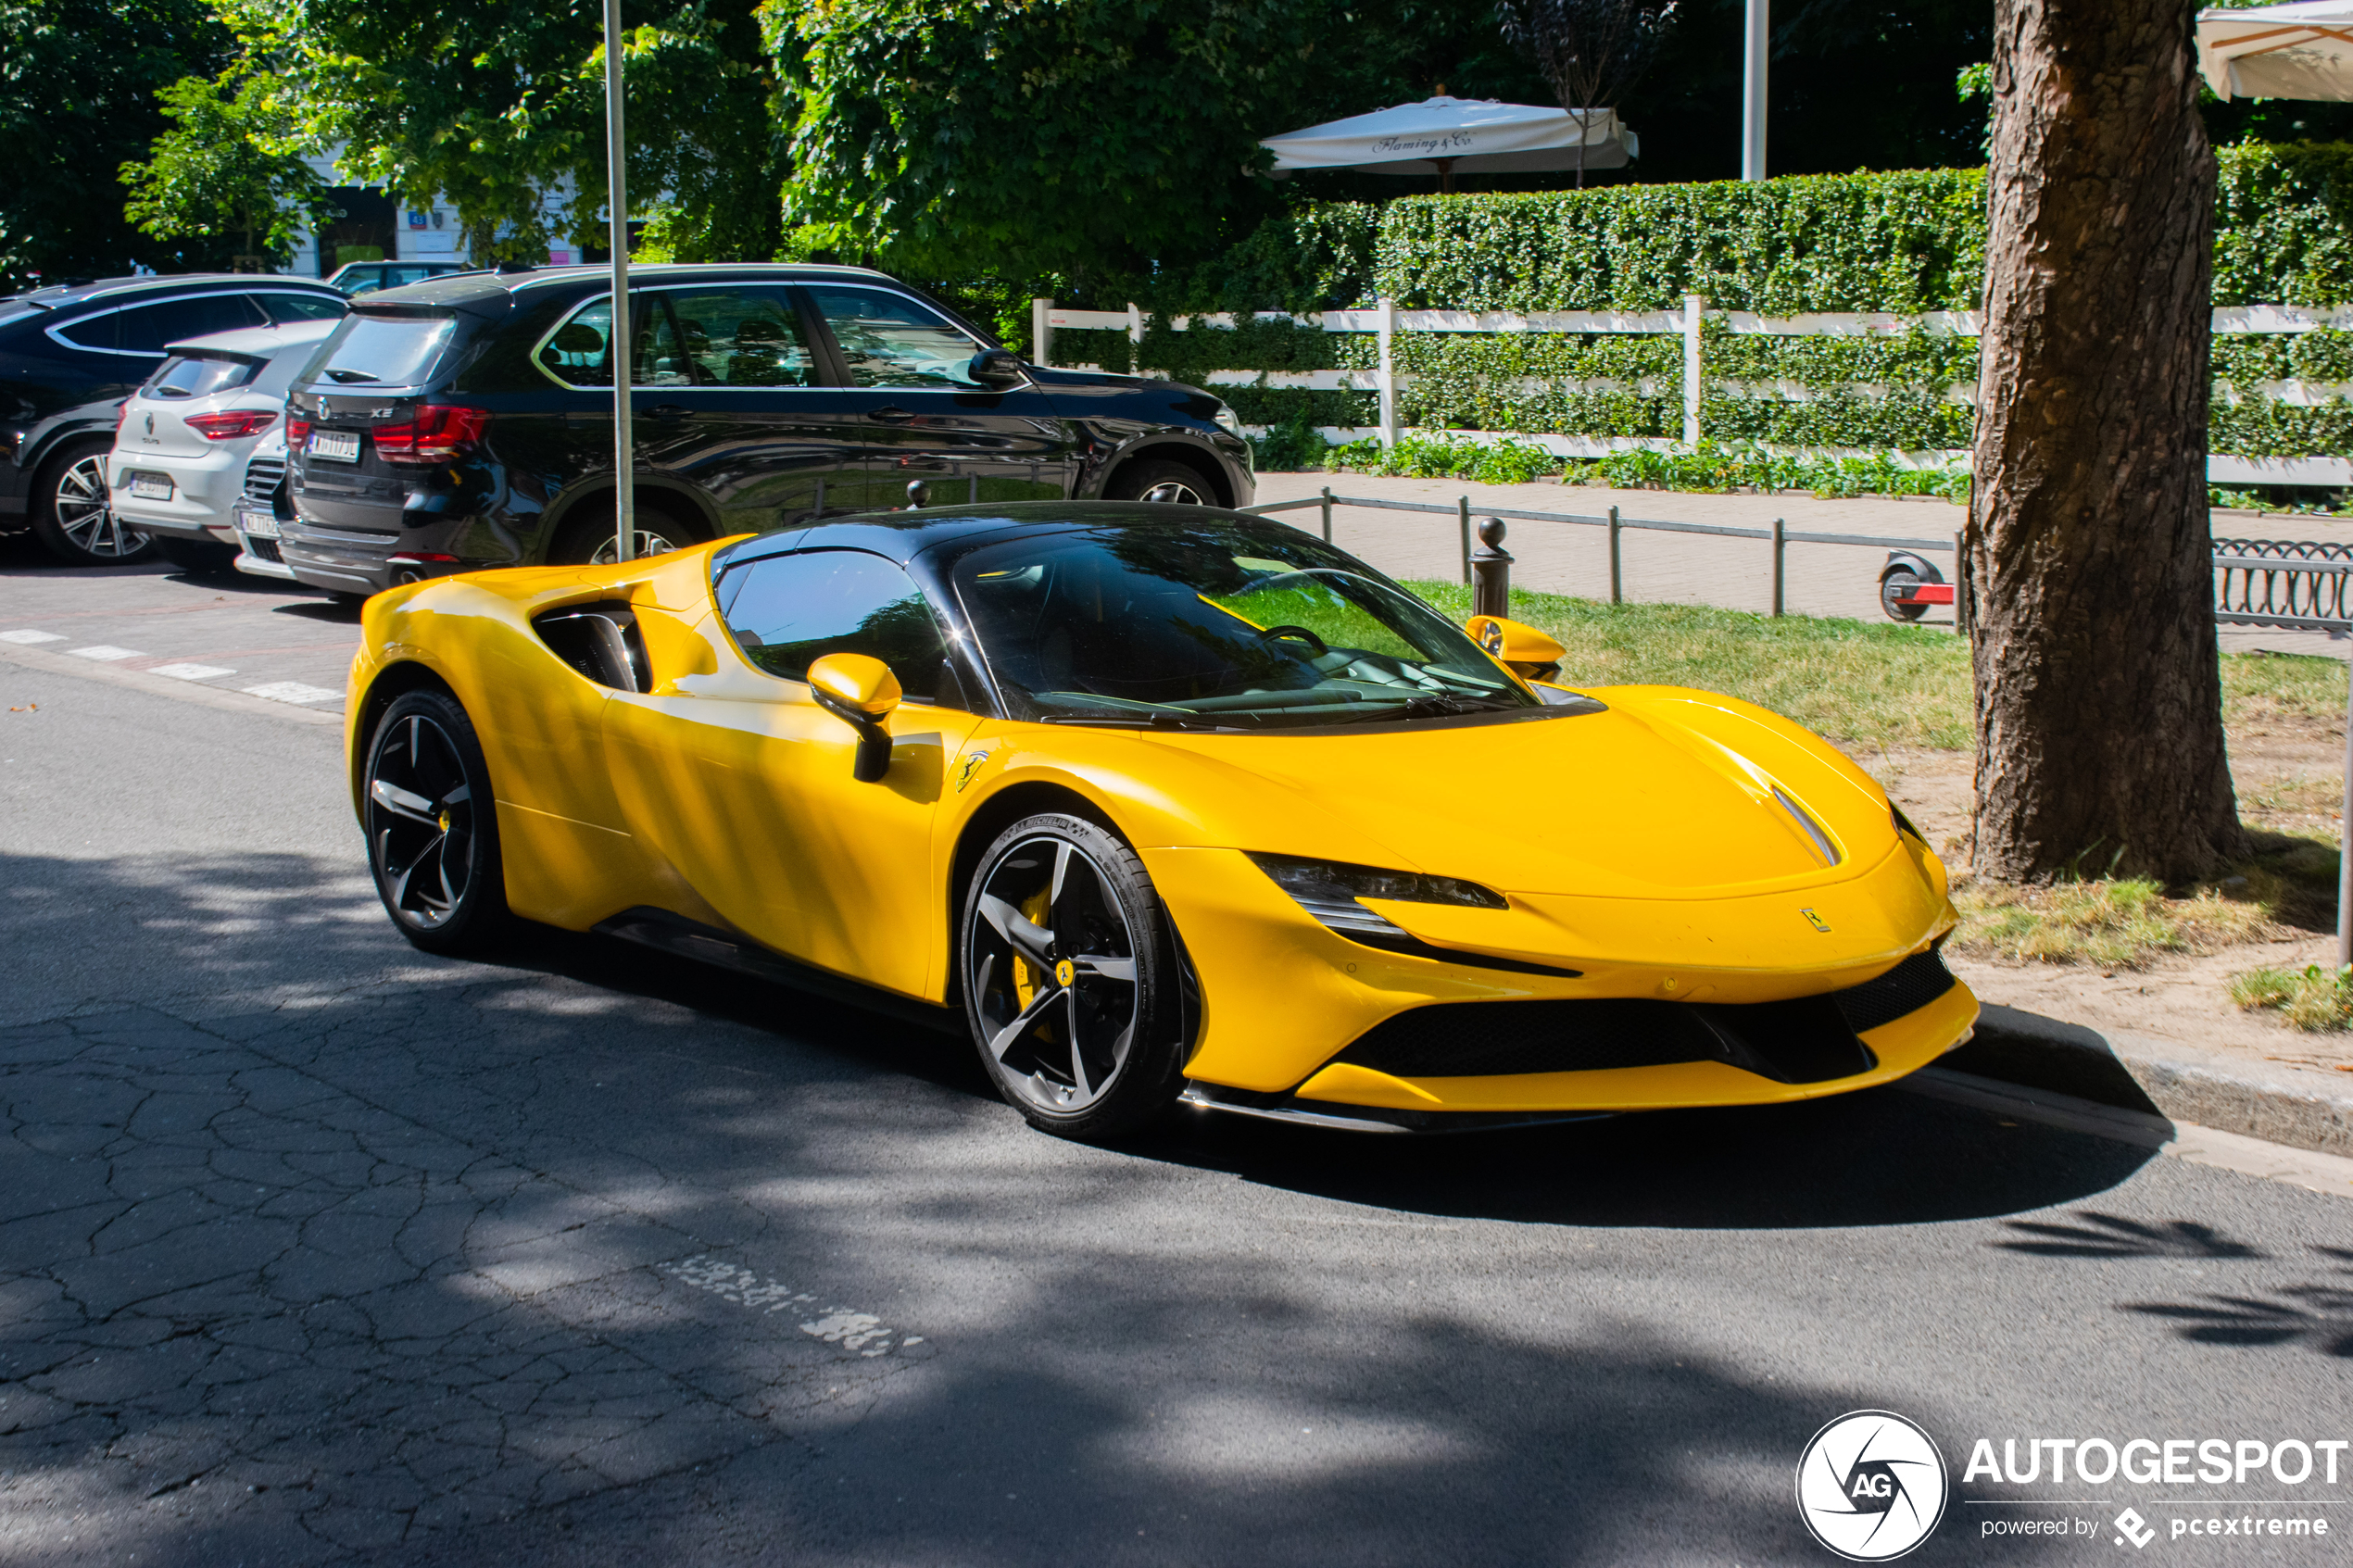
(861, 1332)
(291, 691)
(103, 651)
(189, 671)
(29, 636)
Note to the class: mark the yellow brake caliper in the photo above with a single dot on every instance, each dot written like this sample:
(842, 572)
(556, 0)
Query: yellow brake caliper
(1034, 908)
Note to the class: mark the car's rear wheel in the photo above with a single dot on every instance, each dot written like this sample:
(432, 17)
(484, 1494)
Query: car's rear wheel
(1178, 483)
(198, 556)
(432, 826)
(1070, 979)
(593, 540)
(72, 515)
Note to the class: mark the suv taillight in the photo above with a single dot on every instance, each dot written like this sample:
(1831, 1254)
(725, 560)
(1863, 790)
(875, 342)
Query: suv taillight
(297, 431)
(437, 433)
(231, 423)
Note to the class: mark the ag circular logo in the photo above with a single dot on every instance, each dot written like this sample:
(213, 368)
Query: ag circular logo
(1872, 1486)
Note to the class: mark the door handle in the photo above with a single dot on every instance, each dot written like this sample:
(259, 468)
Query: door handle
(890, 416)
(666, 411)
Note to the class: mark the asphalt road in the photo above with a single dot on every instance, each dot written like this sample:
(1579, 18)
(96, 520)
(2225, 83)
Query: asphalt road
(316, 1249)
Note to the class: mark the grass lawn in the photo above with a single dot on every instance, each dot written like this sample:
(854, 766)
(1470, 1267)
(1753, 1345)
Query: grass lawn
(1870, 681)
(1877, 684)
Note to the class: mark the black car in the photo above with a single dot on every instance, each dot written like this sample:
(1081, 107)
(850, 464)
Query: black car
(467, 422)
(70, 353)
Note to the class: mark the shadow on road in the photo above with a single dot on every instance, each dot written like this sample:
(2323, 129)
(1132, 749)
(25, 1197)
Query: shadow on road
(314, 1246)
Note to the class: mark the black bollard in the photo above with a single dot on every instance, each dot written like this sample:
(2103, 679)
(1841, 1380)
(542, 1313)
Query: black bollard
(1491, 567)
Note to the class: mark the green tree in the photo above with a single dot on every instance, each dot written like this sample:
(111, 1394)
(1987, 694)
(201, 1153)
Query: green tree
(231, 166)
(997, 137)
(77, 80)
(492, 107)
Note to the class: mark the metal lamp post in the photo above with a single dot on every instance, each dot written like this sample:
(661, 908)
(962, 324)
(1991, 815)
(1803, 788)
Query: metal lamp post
(1756, 58)
(625, 490)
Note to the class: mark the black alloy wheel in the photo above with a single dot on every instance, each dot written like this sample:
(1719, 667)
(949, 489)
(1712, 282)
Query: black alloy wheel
(1176, 482)
(73, 514)
(432, 826)
(1070, 979)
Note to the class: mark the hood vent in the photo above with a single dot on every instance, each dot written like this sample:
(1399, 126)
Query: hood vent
(1824, 850)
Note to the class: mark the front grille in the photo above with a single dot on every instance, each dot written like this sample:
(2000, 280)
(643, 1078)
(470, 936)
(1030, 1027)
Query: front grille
(264, 549)
(1810, 1040)
(263, 475)
(1907, 988)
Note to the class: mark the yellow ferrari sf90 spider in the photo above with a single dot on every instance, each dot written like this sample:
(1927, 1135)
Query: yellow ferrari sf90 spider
(1160, 803)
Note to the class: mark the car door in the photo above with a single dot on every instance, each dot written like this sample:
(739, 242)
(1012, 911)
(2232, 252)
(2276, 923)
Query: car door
(909, 396)
(726, 377)
(744, 783)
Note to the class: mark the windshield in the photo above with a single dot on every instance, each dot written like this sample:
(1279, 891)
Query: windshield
(383, 350)
(1215, 625)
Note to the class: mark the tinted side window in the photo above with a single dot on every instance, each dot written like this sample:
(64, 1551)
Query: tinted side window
(93, 331)
(744, 336)
(580, 353)
(889, 340)
(146, 328)
(789, 611)
(300, 307)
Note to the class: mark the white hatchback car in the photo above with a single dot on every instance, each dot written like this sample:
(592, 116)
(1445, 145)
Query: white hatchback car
(184, 438)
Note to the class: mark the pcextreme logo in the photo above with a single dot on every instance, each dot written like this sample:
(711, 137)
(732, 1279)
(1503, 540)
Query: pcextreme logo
(1872, 1486)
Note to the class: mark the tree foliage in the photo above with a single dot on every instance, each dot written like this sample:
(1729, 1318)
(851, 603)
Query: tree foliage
(497, 109)
(77, 80)
(1590, 52)
(231, 167)
(1028, 137)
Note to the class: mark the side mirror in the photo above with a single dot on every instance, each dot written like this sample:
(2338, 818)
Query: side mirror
(1527, 652)
(862, 693)
(996, 366)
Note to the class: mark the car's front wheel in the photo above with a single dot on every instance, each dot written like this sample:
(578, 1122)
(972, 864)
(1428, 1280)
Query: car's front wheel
(432, 826)
(1070, 979)
(74, 517)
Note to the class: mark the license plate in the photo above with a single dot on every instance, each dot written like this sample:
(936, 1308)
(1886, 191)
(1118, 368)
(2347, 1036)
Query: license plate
(151, 487)
(336, 445)
(258, 526)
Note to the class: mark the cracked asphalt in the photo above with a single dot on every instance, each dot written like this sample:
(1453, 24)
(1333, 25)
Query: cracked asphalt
(315, 1249)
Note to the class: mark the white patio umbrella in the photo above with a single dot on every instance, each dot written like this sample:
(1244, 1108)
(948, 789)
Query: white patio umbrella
(2298, 51)
(1449, 136)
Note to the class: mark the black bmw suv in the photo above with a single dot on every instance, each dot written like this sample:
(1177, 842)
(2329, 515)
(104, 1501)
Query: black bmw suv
(70, 353)
(467, 422)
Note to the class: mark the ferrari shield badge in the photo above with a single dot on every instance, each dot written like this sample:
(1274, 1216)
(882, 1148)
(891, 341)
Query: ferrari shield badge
(967, 766)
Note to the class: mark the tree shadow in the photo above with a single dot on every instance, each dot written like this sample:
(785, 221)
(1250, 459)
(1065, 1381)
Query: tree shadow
(2318, 1314)
(2110, 1235)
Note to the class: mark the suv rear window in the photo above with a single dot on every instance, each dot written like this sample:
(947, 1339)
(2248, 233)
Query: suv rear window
(385, 350)
(195, 376)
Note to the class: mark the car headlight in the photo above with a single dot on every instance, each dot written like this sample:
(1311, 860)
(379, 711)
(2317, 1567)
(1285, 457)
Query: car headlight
(1224, 420)
(1328, 890)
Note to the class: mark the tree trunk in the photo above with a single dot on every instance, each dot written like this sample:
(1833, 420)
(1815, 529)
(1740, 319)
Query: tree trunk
(2099, 721)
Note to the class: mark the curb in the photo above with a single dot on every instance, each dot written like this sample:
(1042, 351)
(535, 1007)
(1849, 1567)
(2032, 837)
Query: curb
(2154, 1077)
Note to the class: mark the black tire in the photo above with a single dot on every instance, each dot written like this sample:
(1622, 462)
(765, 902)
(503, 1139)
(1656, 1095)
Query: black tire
(1141, 478)
(432, 826)
(198, 557)
(1893, 586)
(1110, 985)
(589, 538)
(73, 514)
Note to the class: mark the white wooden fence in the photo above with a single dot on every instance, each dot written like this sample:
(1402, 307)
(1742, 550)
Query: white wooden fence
(1384, 322)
